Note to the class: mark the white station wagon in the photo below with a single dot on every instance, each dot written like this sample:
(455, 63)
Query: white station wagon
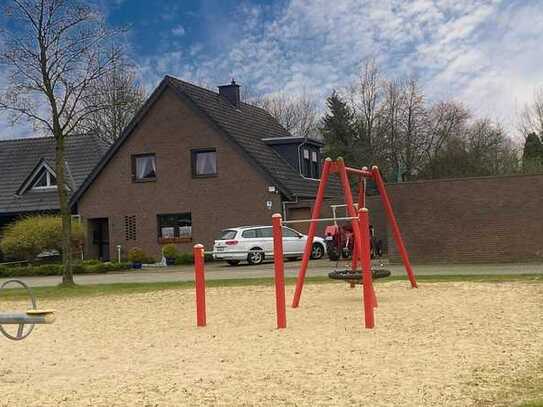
(255, 243)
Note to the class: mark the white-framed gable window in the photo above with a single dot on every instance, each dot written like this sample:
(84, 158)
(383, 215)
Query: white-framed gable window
(44, 180)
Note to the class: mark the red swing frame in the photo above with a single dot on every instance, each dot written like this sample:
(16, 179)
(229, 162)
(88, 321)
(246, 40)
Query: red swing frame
(360, 224)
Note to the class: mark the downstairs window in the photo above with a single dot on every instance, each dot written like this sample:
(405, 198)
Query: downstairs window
(174, 227)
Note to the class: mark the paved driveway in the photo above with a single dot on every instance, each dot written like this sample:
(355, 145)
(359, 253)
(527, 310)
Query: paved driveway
(219, 271)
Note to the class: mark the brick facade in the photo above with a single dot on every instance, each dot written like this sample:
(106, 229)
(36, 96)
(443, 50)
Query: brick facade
(170, 129)
(471, 220)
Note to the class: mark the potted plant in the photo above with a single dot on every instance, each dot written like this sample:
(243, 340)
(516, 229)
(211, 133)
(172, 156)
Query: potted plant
(170, 253)
(136, 256)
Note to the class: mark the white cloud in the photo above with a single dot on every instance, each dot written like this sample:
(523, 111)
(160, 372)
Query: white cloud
(484, 52)
(178, 31)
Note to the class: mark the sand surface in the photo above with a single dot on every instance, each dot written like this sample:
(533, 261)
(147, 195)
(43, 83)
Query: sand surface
(446, 344)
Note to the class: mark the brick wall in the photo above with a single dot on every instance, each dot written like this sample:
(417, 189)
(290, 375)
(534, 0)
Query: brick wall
(473, 220)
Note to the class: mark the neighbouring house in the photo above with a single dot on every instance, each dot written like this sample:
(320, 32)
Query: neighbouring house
(27, 167)
(191, 163)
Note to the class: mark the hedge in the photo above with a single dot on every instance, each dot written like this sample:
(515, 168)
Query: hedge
(57, 269)
(187, 258)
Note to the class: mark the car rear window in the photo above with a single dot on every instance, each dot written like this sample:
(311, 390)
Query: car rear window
(249, 234)
(227, 234)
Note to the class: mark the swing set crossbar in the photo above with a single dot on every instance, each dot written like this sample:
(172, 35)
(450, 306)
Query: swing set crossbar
(286, 222)
(363, 172)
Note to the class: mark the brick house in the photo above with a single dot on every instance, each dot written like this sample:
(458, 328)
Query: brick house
(191, 163)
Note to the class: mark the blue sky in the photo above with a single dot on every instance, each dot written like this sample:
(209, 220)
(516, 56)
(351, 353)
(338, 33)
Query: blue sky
(486, 53)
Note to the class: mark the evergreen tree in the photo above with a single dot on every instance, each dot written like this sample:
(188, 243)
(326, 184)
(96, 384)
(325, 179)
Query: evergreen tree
(532, 158)
(339, 131)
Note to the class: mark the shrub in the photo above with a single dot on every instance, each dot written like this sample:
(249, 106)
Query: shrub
(149, 260)
(57, 269)
(136, 255)
(187, 258)
(184, 258)
(32, 235)
(169, 250)
(91, 262)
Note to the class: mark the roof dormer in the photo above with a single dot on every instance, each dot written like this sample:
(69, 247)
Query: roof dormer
(42, 178)
(304, 154)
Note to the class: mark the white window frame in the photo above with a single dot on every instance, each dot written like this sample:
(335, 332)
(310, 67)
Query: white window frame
(48, 185)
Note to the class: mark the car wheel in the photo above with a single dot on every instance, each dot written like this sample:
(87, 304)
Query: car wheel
(256, 256)
(317, 251)
(233, 262)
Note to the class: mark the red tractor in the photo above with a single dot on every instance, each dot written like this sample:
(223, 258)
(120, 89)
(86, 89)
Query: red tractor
(340, 242)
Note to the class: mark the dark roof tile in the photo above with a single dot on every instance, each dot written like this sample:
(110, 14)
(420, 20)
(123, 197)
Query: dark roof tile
(18, 158)
(248, 125)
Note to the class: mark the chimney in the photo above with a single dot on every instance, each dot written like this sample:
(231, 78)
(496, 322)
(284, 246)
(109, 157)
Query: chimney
(231, 92)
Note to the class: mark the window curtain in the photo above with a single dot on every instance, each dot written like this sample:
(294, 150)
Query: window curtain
(206, 163)
(146, 167)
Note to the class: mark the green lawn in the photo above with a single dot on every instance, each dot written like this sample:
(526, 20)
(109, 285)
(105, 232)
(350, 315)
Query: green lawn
(130, 288)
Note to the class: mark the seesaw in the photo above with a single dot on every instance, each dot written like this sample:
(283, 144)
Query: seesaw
(27, 319)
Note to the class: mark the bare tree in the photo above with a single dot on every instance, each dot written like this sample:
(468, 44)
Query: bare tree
(482, 148)
(366, 95)
(120, 95)
(414, 135)
(54, 53)
(446, 119)
(297, 114)
(389, 129)
(491, 152)
(531, 117)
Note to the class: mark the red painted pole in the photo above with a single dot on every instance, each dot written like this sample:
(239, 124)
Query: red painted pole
(358, 240)
(315, 214)
(361, 204)
(354, 259)
(279, 271)
(395, 228)
(199, 278)
(367, 280)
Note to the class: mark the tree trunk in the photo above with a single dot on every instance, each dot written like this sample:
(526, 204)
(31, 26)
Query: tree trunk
(65, 213)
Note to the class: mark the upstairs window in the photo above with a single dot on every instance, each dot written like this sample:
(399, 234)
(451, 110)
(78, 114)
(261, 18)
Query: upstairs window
(315, 170)
(44, 180)
(175, 227)
(204, 162)
(306, 163)
(310, 167)
(144, 167)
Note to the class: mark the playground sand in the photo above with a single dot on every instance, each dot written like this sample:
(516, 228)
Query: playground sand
(446, 344)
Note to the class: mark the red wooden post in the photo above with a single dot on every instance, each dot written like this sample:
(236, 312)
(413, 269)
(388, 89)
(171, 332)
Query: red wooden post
(360, 203)
(279, 271)
(370, 300)
(359, 238)
(315, 214)
(199, 278)
(395, 228)
(354, 257)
